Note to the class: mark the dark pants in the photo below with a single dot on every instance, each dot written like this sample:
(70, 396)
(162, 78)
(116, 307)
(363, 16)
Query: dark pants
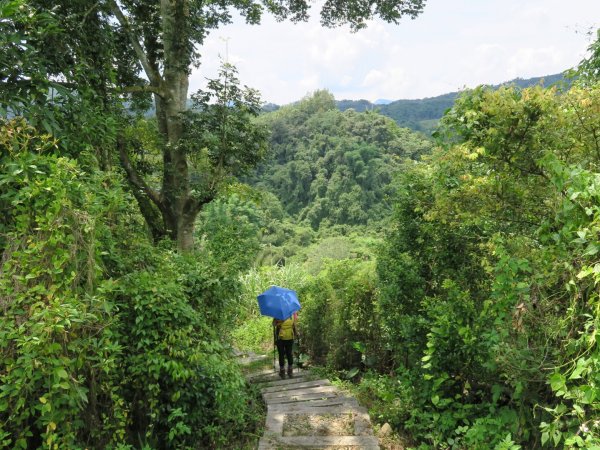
(284, 348)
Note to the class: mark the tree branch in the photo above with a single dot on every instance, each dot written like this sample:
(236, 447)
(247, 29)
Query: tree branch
(194, 205)
(151, 73)
(88, 12)
(146, 88)
(134, 178)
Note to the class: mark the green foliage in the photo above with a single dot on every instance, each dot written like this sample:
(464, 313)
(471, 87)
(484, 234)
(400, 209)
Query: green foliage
(339, 316)
(356, 245)
(106, 340)
(220, 137)
(57, 350)
(230, 231)
(390, 398)
(588, 71)
(23, 71)
(254, 334)
(329, 167)
(35, 59)
(180, 366)
(491, 300)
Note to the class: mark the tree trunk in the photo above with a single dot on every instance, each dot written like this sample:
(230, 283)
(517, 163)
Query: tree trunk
(169, 109)
(185, 232)
(176, 186)
(170, 89)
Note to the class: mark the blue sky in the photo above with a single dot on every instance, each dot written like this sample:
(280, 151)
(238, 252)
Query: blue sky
(452, 45)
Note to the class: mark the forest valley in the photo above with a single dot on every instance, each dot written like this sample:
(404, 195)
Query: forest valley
(451, 282)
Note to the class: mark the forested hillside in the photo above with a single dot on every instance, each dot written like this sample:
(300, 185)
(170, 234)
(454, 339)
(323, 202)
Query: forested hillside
(334, 167)
(424, 114)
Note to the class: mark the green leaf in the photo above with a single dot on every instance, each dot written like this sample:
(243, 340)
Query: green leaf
(352, 372)
(557, 437)
(589, 394)
(575, 440)
(579, 369)
(557, 381)
(585, 272)
(545, 437)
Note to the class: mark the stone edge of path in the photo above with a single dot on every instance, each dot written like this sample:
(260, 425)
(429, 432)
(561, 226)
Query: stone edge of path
(360, 442)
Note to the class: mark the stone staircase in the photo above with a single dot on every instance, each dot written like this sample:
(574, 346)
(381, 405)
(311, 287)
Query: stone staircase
(308, 413)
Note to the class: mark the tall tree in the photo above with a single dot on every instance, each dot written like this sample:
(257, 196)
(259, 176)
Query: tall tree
(161, 40)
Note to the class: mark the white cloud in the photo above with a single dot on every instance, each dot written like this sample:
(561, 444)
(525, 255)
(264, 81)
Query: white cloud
(373, 77)
(528, 61)
(346, 80)
(451, 45)
(310, 82)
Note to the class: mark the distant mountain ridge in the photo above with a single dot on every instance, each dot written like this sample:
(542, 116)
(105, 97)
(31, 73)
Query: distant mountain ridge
(423, 114)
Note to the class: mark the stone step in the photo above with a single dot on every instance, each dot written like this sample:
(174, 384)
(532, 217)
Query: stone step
(360, 416)
(281, 387)
(285, 381)
(302, 398)
(306, 394)
(298, 393)
(257, 375)
(314, 442)
(308, 408)
(316, 405)
(270, 375)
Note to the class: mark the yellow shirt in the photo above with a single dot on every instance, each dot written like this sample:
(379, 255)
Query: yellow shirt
(286, 329)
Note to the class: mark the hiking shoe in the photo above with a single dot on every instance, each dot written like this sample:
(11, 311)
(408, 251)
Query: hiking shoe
(282, 373)
(290, 372)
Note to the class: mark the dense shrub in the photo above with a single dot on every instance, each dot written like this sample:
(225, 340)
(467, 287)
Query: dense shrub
(180, 383)
(340, 320)
(105, 339)
(57, 346)
(488, 274)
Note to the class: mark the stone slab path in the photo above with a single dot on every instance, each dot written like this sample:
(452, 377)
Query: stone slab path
(308, 413)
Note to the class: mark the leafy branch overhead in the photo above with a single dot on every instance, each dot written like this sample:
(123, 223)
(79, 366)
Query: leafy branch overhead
(221, 139)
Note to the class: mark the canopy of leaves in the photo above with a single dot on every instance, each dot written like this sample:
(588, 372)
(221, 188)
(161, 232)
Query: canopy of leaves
(589, 69)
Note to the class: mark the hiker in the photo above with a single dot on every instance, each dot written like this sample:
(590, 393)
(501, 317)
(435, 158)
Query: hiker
(285, 332)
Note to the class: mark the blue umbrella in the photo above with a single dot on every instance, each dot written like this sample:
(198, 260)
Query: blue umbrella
(278, 302)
